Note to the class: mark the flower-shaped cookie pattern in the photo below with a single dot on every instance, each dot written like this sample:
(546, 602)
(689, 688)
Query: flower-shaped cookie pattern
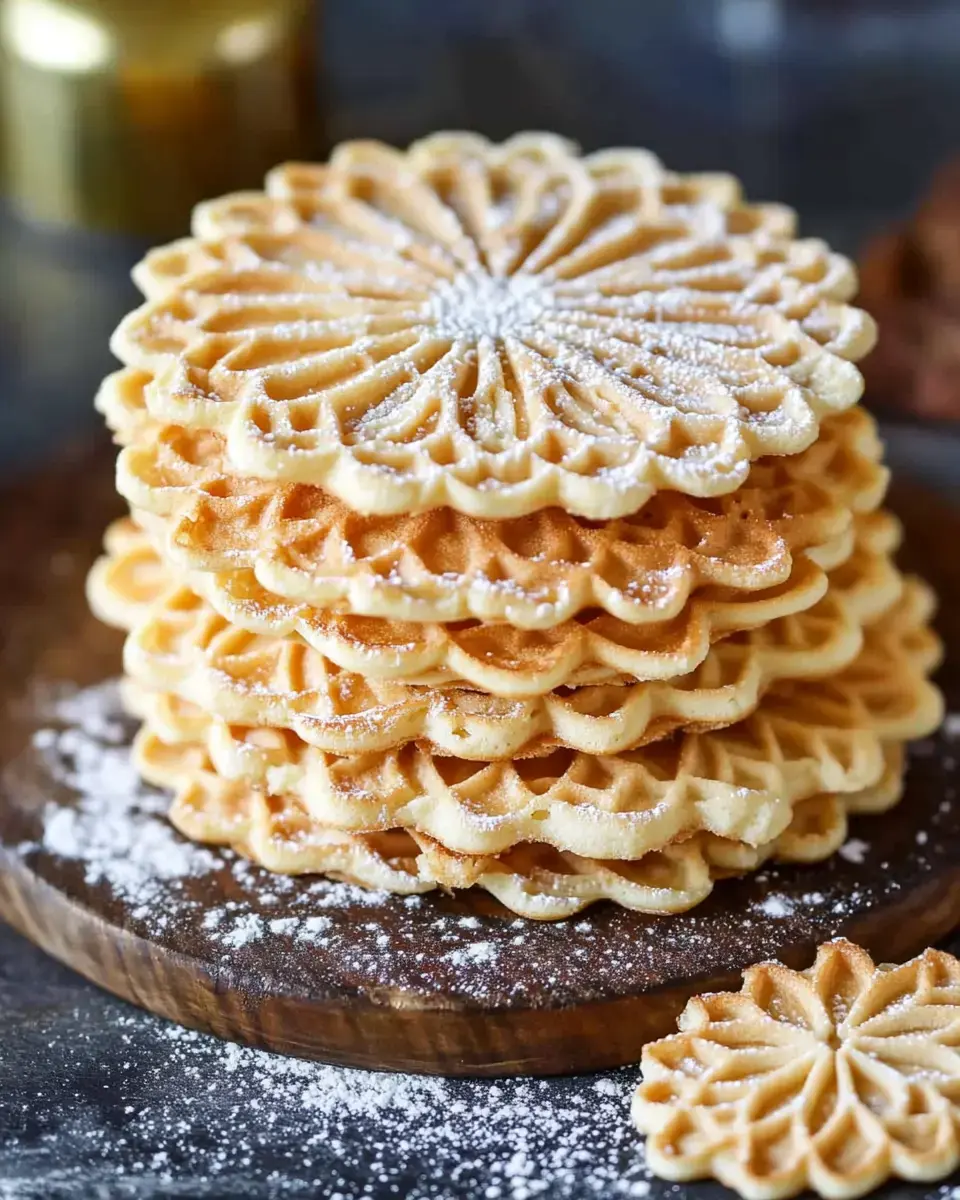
(832, 1078)
(533, 880)
(497, 329)
(738, 783)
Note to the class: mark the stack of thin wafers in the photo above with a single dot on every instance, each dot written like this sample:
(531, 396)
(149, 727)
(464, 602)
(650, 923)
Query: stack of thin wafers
(502, 518)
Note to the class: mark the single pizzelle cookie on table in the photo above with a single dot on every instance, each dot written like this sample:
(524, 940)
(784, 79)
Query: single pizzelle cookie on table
(534, 572)
(497, 329)
(739, 783)
(835, 1078)
(503, 660)
(533, 880)
(179, 643)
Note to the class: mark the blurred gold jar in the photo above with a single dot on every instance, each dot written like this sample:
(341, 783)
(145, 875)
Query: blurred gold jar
(121, 114)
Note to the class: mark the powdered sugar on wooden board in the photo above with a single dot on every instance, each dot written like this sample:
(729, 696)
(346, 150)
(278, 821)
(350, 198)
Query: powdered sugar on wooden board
(112, 831)
(178, 1105)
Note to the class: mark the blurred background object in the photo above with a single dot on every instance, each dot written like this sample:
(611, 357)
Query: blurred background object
(121, 114)
(116, 117)
(118, 114)
(910, 281)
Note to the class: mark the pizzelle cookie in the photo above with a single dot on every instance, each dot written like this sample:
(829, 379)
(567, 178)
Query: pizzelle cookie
(835, 1078)
(179, 643)
(533, 880)
(509, 662)
(496, 329)
(738, 783)
(535, 572)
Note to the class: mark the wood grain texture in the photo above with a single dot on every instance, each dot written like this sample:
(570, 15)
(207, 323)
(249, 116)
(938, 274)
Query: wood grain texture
(388, 989)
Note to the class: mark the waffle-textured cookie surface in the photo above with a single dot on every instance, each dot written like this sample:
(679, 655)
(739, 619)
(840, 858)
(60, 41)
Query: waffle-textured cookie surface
(502, 660)
(739, 783)
(533, 880)
(533, 572)
(834, 1078)
(179, 643)
(497, 329)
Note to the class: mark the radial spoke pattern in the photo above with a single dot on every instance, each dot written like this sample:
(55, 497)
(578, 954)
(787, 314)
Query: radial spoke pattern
(497, 329)
(833, 1078)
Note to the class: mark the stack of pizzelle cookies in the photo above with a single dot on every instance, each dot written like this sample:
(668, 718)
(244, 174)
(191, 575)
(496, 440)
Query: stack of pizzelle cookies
(502, 517)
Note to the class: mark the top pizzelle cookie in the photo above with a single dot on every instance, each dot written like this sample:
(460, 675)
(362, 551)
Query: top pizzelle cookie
(497, 329)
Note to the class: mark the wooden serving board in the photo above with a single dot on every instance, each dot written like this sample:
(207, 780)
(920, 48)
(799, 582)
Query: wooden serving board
(440, 984)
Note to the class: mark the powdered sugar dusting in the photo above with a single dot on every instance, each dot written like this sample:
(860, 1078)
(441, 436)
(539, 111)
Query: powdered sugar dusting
(476, 304)
(117, 830)
(854, 850)
(282, 1126)
(114, 829)
(776, 906)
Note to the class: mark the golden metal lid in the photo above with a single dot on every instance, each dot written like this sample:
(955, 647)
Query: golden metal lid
(122, 114)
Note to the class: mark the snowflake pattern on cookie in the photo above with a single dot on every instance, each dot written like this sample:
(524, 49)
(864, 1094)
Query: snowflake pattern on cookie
(497, 329)
(834, 1078)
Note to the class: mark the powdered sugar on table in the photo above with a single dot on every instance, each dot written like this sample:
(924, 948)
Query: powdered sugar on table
(187, 1114)
(113, 829)
(190, 1101)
